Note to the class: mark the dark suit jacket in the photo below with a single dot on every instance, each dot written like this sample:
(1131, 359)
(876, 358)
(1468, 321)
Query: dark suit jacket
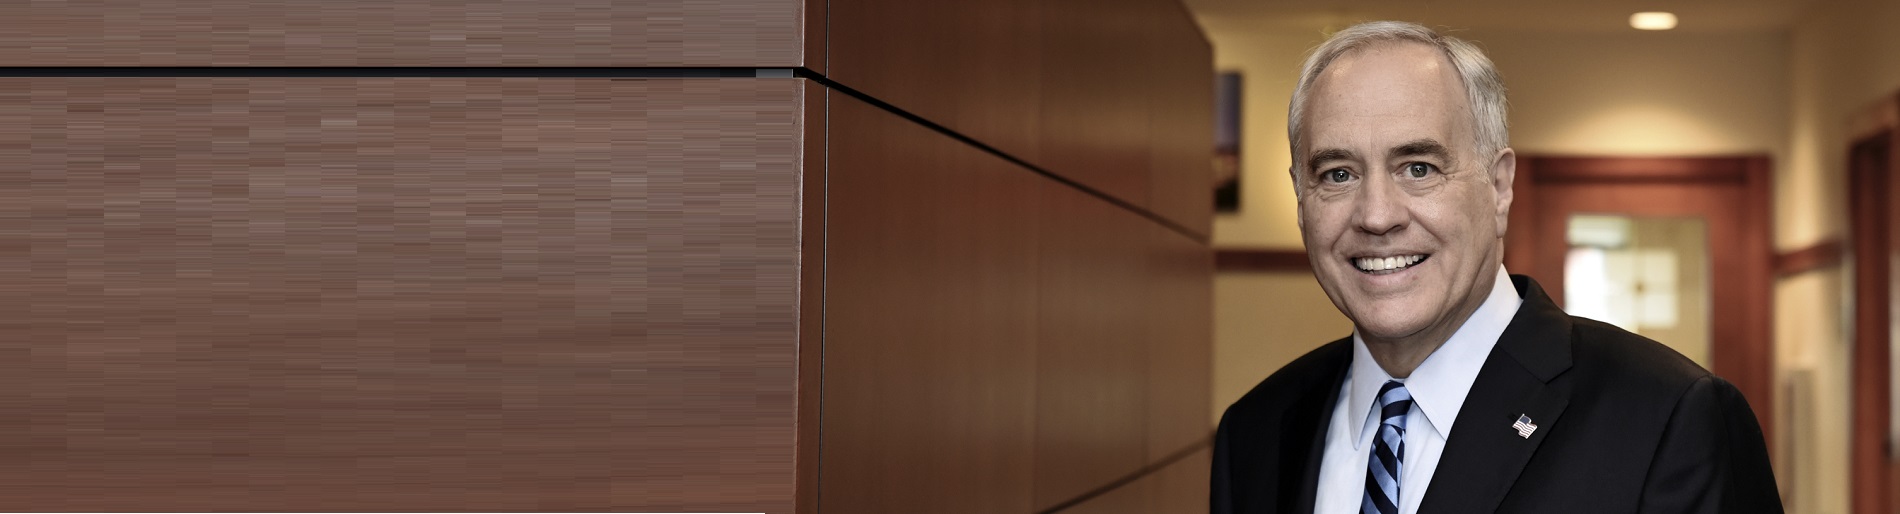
(1624, 424)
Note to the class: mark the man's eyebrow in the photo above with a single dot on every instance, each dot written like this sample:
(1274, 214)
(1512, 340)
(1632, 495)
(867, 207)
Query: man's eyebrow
(1429, 147)
(1330, 154)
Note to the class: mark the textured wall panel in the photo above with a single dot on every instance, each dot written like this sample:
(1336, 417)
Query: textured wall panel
(1091, 356)
(398, 294)
(1113, 94)
(930, 330)
(1129, 498)
(1180, 307)
(1181, 486)
(1181, 121)
(972, 66)
(1096, 93)
(402, 33)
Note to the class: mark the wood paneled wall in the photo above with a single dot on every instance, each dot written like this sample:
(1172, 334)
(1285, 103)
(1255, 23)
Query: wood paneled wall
(399, 294)
(959, 264)
(1110, 94)
(1109, 104)
(973, 67)
(998, 341)
(930, 331)
(1091, 350)
(437, 33)
(1102, 113)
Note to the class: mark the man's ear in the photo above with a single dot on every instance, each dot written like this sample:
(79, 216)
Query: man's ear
(1503, 176)
(1299, 200)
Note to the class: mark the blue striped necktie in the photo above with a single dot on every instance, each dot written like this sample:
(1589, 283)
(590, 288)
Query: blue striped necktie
(1388, 447)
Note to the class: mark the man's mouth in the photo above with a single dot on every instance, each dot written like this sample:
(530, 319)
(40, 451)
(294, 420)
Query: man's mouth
(1387, 265)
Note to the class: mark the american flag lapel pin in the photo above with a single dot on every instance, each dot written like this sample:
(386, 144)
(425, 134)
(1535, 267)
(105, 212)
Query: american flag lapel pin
(1524, 426)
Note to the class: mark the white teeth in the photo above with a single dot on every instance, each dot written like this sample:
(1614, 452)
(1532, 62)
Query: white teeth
(1386, 263)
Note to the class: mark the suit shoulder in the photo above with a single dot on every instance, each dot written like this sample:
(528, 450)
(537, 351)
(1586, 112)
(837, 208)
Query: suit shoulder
(1315, 368)
(1619, 356)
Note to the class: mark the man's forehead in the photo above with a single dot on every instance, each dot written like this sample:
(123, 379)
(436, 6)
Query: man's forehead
(1388, 57)
(1386, 95)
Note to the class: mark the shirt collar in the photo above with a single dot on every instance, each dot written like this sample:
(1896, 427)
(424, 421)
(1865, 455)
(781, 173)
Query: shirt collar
(1439, 385)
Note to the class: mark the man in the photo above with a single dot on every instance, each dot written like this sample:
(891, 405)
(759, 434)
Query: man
(1462, 389)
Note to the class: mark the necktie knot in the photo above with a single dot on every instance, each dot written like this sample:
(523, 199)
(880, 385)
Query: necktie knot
(1394, 403)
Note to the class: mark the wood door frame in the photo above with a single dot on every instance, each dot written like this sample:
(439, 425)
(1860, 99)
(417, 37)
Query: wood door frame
(1748, 362)
(1871, 241)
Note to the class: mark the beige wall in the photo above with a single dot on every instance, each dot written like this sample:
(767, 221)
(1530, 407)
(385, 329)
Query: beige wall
(1263, 321)
(1844, 55)
(1642, 93)
(1269, 62)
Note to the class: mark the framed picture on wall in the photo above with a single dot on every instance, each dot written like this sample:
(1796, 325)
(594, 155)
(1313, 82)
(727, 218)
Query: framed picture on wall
(1227, 142)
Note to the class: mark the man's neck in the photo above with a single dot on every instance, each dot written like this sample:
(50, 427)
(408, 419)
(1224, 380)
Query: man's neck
(1400, 356)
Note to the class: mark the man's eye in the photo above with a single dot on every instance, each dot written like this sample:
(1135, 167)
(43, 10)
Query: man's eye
(1338, 175)
(1418, 169)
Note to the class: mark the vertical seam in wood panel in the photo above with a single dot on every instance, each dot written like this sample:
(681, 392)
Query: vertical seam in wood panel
(824, 272)
(827, 56)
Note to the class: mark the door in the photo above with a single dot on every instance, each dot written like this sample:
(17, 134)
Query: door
(1873, 221)
(1676, 249)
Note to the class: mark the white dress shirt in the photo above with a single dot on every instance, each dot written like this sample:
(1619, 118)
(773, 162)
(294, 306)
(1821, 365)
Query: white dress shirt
(1438, 389)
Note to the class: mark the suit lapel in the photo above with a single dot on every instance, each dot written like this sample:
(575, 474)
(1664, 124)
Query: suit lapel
(1485, 453)
(1303, 443)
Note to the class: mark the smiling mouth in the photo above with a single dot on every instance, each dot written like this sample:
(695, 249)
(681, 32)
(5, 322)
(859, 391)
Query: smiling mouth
(1387, 265)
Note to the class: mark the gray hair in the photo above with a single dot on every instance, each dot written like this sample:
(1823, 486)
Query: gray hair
(1483, 87)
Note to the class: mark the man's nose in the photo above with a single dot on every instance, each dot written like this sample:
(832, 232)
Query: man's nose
(1382, 206)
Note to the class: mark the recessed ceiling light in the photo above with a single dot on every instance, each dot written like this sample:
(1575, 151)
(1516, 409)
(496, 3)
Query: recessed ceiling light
(1653, 20)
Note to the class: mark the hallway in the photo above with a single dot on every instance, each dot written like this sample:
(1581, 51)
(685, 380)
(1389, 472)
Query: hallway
(1785, 82)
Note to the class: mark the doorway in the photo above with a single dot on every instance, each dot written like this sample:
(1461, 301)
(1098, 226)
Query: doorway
(1873, 222)
(1674, 248)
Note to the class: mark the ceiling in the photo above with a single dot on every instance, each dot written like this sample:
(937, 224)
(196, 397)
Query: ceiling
(1531, 15)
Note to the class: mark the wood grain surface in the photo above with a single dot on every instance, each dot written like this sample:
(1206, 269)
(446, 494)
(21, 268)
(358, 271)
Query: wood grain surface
(398, 294)
(1096, 95)
(1180, 120)
(931, 325)
(1182, 486)
(1180, 306)
(1130, 498)
(974, 67)
(1178, 487)
(1114, 95)
(757, 33)
(1094, 311)
(811, 293)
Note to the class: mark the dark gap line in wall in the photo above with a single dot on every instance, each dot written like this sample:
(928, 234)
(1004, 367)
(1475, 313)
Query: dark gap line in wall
(391, 72)
(824, 293)
(1132, 477)
(1169, 224)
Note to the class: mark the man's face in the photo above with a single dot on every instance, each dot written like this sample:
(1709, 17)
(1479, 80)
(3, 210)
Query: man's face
(1401, 216)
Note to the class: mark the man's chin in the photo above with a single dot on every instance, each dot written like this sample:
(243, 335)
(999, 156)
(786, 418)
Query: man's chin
(1390, 328)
